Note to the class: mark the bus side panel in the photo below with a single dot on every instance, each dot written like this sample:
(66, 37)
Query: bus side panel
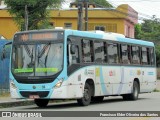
(103, 85)
(112, 75)
(74, 85)
(128, 75)
(149, 79)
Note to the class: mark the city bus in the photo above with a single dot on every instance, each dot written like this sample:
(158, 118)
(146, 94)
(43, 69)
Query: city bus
(82, 65)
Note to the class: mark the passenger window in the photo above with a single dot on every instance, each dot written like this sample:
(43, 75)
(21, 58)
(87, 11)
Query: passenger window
(125, 54)
(75, 57)
(112, 50)
(99, 52)
(135, 53)
(144, 56)
(105, 52)
(87, 51)
(152, 58)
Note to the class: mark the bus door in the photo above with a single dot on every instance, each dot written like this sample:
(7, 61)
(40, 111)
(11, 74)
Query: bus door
(73, 65)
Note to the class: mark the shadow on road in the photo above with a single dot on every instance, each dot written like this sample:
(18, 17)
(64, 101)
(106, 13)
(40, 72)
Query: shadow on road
(73, 104)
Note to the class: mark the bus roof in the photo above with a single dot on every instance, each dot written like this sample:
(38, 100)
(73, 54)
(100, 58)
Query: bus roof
(109, 36)
(98, 35)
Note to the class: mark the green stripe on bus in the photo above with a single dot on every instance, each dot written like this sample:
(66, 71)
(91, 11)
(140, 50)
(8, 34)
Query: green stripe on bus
(27, 70)
(46, 69)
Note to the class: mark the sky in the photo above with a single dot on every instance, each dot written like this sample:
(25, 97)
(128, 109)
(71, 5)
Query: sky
(145, 8)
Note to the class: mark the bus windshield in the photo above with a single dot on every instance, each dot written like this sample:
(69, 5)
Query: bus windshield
(37, 59)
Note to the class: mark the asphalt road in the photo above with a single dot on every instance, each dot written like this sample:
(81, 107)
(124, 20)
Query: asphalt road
(146, 102)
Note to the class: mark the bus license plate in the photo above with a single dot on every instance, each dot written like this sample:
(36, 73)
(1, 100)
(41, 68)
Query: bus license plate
(34, 96)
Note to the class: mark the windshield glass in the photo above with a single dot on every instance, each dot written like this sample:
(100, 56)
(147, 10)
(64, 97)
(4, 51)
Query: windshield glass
(37, 59)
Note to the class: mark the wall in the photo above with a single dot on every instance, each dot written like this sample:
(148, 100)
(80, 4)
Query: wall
(114, 20)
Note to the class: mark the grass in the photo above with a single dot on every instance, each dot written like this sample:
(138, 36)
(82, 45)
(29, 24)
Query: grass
(156, 90)
(5, 94)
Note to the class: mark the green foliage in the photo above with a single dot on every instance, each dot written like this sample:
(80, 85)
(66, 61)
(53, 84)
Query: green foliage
(100, 3)
(37, 12)
(138, 31)
(150, 30)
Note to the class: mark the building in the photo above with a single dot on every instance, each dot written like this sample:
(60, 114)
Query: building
(120, 20)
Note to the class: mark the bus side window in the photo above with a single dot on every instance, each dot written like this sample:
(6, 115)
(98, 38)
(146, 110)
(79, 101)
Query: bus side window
(135, 53)
(75, 57)
(148, 56)
(72, 58)
(144, 56)
(125, 54)
(87, 51)
(105, 53)
(112, 50)
(99, 52)
(152, 58)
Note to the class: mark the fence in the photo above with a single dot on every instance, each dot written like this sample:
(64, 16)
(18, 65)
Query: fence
(4, 66)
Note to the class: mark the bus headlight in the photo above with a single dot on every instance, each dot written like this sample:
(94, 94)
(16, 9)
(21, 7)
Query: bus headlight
(12, 85)
(59, 83)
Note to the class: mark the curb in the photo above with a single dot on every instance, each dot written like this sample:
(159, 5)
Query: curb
(16, 103)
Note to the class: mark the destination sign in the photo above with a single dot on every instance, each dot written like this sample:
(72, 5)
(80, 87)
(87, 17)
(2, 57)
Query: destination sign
(38, 36)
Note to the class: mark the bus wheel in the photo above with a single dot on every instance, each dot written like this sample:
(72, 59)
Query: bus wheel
(97, 99)
(135, 92)
(86, 99)
(134, 95)
(41, 102)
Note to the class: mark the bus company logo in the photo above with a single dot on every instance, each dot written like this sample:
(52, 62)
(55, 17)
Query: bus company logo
(97, 72)
(150, 73)
(89, 72)
(112, 73)
(34, 87)
(132, 73)
(138, 72)
(85, 72)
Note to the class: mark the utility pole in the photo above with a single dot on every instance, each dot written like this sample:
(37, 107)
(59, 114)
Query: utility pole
(80, 15)
(86, 14)
(26, 18)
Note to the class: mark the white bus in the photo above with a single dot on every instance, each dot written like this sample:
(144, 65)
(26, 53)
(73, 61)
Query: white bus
(87, 66)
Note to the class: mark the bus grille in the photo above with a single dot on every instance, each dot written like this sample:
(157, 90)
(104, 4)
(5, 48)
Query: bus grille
(41, 94)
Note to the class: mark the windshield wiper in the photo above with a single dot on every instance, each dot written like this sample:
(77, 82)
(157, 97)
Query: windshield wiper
(41, 53)
(31, 64)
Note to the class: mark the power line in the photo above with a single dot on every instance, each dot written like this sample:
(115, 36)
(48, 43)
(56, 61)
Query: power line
(121, 12)
(142, 7)
(137, 1)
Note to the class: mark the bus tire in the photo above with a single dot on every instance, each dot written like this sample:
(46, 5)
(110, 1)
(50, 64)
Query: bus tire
(41, 102)
(86, 99)
(97, 99)
(135, 92)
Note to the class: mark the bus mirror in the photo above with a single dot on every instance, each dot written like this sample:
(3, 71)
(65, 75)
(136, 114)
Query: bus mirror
(73, 49)
(3, 56)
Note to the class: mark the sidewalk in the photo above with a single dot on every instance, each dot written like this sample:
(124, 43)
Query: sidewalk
(8, 102)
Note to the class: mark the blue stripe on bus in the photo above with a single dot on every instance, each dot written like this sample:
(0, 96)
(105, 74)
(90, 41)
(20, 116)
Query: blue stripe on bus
(122, 80)
(84, 34)
(104, 90)
(135, 41)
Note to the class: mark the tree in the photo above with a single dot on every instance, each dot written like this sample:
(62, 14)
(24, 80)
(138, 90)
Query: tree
(36, 9)
(150, 30)
(138, 31)
(100, 3)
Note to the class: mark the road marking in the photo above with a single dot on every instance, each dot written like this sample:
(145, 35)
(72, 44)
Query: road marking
(145, 118)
